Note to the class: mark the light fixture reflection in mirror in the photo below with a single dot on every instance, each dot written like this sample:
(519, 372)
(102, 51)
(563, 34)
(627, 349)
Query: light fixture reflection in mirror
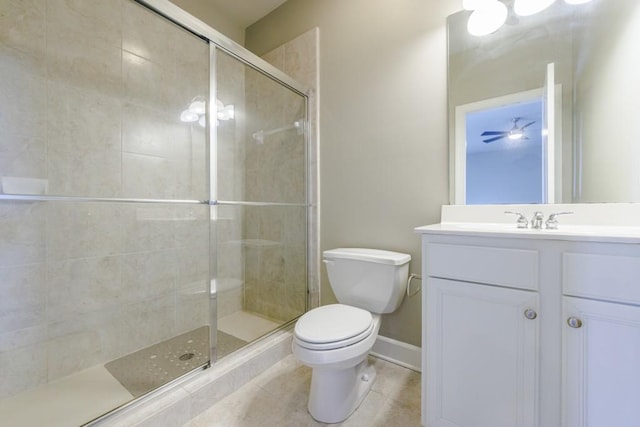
(488, 18)
(594, 48)
(489, 15)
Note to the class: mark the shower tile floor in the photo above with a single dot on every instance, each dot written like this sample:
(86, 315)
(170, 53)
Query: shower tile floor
(152, 367)
(278, 398)
(227, 344)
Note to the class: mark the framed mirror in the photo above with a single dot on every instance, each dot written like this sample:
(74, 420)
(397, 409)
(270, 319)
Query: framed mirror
(574, 139)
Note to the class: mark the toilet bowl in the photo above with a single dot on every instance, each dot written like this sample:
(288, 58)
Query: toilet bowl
(335, 340)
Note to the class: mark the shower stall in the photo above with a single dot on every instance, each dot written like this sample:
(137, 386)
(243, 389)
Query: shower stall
(153, 205)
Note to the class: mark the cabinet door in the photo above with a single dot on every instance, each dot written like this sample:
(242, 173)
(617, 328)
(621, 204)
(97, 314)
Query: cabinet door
(481, 355)
(601, 385)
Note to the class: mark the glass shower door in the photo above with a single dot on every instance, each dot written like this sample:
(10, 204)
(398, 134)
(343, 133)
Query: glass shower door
(260, 211)
(104, 224)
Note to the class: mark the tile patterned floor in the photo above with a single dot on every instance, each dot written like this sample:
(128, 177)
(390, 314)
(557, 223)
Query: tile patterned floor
(278, 398)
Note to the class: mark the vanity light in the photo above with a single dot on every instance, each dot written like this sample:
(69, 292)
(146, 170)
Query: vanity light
(531, 7)
(491, 15)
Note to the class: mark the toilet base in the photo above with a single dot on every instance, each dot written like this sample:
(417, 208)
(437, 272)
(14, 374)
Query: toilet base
(336, 393)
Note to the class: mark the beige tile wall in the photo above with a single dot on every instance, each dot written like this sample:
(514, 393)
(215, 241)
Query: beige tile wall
(92, 94)
(269, 242)
(276, 274)
(90, 100)
(117, 278)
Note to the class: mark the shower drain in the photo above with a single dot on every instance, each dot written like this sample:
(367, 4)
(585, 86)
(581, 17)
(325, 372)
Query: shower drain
(151, 367)
(186, 356)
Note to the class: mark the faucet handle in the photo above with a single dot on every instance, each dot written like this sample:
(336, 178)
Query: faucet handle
(552, 222)
(522, 220)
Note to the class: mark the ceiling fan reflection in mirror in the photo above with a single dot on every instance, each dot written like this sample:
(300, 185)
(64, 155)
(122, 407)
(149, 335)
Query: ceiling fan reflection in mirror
(515, 133)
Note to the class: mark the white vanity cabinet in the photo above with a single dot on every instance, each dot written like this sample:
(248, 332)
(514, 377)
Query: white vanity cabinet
(481, 314)
(484, 359)
(601, 345)
(601, 364)
(521, 330)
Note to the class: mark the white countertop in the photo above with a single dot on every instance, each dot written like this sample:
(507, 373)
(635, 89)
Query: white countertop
(610, 234)
(614, 223)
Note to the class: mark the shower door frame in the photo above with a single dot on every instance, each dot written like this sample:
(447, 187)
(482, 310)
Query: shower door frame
(204, 31)
(218, 41)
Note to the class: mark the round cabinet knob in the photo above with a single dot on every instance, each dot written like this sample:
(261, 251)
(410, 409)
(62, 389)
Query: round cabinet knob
(530, 314)
(574, 322)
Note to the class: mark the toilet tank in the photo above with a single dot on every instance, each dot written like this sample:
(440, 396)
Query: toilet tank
(372, 279)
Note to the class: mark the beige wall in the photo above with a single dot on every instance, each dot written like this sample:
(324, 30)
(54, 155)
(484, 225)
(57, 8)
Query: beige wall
(207, 12)
(383, 139)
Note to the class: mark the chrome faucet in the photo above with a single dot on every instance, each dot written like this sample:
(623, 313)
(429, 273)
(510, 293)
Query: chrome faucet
(552, 222)
(522, 220)
(536, 221)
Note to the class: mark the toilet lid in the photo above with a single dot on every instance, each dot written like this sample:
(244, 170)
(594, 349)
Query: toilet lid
(332, 323)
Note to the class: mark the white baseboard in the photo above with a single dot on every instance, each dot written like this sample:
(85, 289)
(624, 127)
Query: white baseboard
(398, 352)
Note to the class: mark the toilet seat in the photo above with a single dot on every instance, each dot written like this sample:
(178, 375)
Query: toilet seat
(333, 326)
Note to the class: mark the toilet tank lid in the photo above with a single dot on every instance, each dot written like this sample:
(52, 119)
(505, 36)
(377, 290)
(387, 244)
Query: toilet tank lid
(371, 255)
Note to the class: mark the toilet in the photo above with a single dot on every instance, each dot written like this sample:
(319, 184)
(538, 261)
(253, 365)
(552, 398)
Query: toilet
(334, 340)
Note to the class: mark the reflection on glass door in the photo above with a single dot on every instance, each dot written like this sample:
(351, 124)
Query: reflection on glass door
(260, 214)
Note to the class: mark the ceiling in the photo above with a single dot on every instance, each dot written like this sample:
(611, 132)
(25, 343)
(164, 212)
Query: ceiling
(246, 12)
